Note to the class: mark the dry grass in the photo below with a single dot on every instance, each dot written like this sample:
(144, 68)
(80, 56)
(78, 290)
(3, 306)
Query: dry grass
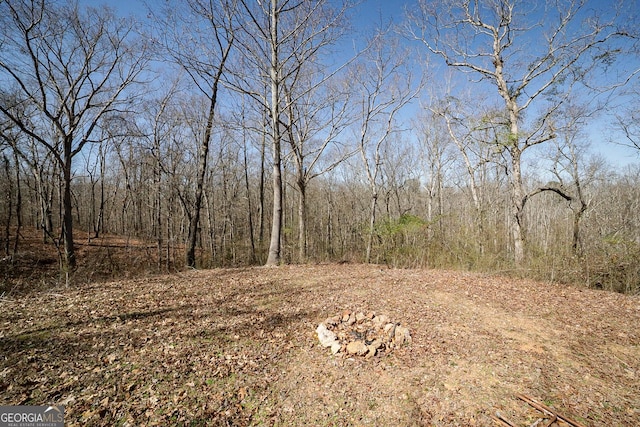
(237, 347)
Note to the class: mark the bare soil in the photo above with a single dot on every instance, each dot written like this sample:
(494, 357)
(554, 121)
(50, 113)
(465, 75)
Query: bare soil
(238, 347)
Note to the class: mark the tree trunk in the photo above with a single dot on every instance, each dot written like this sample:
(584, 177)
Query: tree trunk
(99, 224)
(329, 236)
(67, 211)
(576, 246)
(302, 220)
(9, 197)
(517, 208)
(252, 254)
(513, 144)
(276, 222)
(202, 171)
(372, 223)
(18, 203)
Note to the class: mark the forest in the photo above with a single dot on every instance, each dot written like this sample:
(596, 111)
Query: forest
(214, 133)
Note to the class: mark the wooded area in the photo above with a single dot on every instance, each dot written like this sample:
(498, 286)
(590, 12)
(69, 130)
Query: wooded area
(233, 132)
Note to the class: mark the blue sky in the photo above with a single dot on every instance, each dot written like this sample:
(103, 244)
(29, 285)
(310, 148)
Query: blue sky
(371, 13)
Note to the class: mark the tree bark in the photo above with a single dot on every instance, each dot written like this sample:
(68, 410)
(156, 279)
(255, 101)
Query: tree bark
(202, 170)
(302, 221)
(276, 221)
(67, 210)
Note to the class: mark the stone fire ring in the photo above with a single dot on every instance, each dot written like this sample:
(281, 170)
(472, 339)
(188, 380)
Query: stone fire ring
(359, 334)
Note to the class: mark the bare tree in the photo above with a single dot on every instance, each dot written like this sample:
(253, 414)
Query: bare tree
(279, 37)
(434, 142)
(384, 85)
(627, 118)
(475, 133)
(572, 169)
(157, 127)
(71, 66)
(496, 42)
(314, 124)
(203, 56)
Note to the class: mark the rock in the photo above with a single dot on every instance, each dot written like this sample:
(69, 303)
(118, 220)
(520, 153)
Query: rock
(373, 348)
(370, 353)
(376, 344)
(357, 347)
(335, 347)
(351, 320)
(325, 336)
(380, 320)
(389, 332)
(402, 336)
(331, 321)
(354, 334)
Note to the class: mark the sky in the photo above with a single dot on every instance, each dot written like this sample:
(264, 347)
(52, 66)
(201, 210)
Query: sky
(370, 13)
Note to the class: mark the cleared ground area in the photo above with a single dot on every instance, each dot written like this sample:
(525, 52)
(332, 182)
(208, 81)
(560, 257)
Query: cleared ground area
(238, 347)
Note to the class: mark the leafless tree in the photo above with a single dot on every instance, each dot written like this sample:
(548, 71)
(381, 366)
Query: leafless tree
(203, 56)
(573, 170)
(384, 85)
(627, 117)
(475, 134)
(71, 66)
(434, 140)
(530, 54)
(315, 121)
(279, 38)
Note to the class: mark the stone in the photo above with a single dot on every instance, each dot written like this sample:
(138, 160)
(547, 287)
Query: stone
(376, 344)
(325, 336)
(336, 347)
(331, 321)
(402, 336)
(370, 353)
(351, 320)
(380, 320)
(361, 334)
(389, 332)
(357, 347)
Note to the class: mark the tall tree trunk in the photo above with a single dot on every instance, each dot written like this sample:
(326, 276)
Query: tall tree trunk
(302, 220)
(99, 224)
(202, 170)
(9, 197)
(158, 211)
(329, 236)
(67, 210)
(372, 223)
(576, 246)
(513, 144)
(252, 255)
(276, 221)
(18, 203)
(517, 207)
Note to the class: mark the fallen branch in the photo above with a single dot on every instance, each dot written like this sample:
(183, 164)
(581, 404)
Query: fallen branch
(546, 410)
(502, 421)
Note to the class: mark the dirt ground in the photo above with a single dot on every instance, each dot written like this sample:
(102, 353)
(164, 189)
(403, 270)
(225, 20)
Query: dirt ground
(238, 347)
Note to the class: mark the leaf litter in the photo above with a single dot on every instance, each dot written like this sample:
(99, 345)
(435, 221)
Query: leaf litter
(239, 347)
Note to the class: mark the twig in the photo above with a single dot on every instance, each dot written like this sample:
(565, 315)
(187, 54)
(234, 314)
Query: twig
(545, 409)
(502, 421)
